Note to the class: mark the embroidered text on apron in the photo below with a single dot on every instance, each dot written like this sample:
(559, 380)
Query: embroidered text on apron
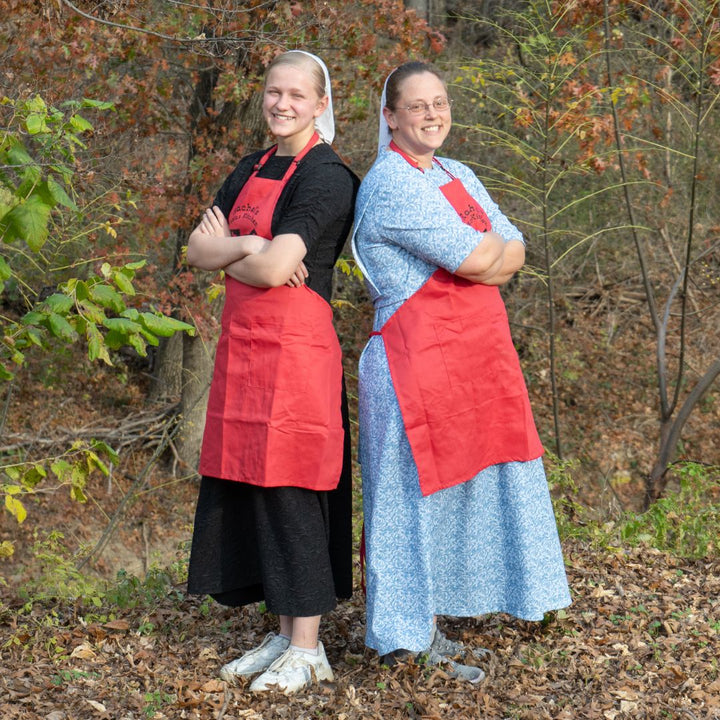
(274, 411)
(456, 373)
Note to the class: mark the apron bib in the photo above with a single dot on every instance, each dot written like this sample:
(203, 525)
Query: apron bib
(274, 410)
(456, 373)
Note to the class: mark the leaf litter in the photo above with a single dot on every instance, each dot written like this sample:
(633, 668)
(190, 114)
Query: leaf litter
(639, 641)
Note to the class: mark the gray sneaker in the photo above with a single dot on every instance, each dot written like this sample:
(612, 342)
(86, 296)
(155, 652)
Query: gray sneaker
(469, 673)
(255, 660)
(443, 645)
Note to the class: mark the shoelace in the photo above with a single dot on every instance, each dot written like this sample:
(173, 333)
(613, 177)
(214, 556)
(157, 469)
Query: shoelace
(291, 660)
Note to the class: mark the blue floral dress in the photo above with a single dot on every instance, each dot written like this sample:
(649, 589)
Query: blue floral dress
(484, 546)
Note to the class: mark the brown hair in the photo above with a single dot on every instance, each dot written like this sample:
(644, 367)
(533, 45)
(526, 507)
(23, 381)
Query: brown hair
(304, 62)
(400, 74)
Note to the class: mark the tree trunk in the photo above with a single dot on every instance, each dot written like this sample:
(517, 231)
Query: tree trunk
(167, 370)
(434, 11)
(197, 371)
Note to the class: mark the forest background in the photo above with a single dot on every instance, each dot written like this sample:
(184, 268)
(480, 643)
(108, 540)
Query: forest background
(595, 126)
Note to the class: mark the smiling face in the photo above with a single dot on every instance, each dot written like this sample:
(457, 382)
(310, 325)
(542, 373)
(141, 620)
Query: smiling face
(290, 105)
(422, 134)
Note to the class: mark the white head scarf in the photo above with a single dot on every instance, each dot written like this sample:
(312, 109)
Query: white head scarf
(384, 134)
(325, 123)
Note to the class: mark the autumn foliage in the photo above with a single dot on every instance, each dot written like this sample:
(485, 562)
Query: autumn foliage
(594, 124)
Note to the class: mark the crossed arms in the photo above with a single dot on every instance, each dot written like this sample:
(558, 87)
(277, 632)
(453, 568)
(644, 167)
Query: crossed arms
(250, 259)
(493, 261)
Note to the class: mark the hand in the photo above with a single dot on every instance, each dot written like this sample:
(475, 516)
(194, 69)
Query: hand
(297, 279)
(214, 223)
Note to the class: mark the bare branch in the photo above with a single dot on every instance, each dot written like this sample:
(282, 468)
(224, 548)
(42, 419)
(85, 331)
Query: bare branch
(200, 40)
(134, 28)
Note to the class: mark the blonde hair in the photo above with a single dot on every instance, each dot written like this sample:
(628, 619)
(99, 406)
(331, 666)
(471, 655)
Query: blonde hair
(303, 62)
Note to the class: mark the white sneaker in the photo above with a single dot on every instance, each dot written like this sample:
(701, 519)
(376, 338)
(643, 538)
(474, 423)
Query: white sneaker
(257, 659)
(294, 670)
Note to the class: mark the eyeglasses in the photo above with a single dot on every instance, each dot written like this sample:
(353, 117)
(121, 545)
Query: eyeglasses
(419, 107)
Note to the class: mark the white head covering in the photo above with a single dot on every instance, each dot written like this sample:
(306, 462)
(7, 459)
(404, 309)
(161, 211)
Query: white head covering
(325, 123)
(384, 134)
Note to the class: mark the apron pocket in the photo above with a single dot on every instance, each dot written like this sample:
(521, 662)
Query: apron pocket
(278, 355)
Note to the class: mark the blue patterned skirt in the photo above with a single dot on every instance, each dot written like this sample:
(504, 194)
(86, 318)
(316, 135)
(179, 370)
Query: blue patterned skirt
(485, 546)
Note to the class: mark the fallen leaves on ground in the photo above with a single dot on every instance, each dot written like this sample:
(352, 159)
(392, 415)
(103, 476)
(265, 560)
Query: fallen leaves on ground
(639, 641)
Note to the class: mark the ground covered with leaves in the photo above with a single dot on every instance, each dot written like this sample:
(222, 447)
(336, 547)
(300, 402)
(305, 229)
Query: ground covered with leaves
(639, 641)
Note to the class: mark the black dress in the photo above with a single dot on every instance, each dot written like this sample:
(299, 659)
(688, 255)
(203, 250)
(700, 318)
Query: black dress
(288, 546)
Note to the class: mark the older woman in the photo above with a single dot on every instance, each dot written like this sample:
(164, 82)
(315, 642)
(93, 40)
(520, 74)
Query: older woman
(458, 517)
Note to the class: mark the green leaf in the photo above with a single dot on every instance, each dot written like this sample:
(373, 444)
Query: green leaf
(139, 344)
(94, 313)
(215, 291)
(68, 288)
(36, 104)
(115, 340)
(7, 199)
(95, 463)
(78, 478)
(79, 323)
(61, 328)
(61, 469)
(18, 157)
(33, 318)
(75, 140)
(34, 475)
(5, 272)
(76, 287)
(96, 345)
(77, 494)
(124, 284)
(16, 508)
(59, 303)
(163, 325)
(105, 449)
(80, 124)
(151, 339)
(107, 296)
(135, 265)
(122, 325)
(98, 104)
(33, 338)
(43, 192)
(28, 221)
(58, 194)
(35, 124)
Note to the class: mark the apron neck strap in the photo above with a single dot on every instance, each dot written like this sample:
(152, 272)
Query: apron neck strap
(415, 163)
(310, 145)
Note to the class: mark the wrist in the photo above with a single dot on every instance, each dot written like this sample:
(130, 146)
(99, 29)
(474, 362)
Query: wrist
(251, 244)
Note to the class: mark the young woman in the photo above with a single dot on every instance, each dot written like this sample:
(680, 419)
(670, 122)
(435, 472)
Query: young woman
(274, 511)
(458, 518)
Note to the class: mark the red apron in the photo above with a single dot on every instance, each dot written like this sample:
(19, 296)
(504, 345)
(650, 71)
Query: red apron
(274, 411)
(456, 373)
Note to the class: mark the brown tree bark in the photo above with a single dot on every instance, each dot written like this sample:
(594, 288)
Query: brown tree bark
(167, 381)
(197, 366)
(434, 11)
